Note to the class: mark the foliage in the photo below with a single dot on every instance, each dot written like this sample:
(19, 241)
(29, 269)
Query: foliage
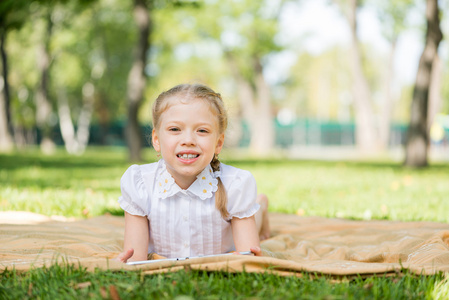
(393, 16)
(58, 282)
(320, 86)
(91, 42)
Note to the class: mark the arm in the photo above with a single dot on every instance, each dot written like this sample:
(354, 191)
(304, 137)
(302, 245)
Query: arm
(137, 237)
(246, 236)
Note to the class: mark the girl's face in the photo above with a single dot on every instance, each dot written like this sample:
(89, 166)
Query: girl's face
(188, 137)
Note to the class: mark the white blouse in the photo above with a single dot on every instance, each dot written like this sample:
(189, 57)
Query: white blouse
(186, 223)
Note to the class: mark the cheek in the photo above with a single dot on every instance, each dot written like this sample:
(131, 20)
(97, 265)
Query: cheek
(167, 143)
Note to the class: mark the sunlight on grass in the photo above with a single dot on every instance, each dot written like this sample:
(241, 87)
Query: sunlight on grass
(90, 185)
(441, 291)
(354, 190)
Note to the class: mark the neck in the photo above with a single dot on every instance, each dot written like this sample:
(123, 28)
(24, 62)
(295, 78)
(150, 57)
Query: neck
(184, 183)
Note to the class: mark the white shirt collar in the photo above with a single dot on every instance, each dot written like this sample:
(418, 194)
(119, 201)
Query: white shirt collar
(203, 187)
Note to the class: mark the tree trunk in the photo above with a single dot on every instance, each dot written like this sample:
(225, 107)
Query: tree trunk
(255, 105)
(6, 140)
(136, 80)
(386, 107)
(434, 91)
(366, 135)
(82, 133)
(262, 131)
(43, 105)
(417, 144)
(76, 141)
(65, 122)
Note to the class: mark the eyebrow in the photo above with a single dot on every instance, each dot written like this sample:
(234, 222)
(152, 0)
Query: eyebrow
(198, 124)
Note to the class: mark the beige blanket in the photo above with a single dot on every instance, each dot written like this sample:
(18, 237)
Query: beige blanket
(336, 247)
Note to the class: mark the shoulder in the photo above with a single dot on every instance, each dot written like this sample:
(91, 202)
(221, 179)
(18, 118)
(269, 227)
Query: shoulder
(141, 169)
(136, 174)
(235, 177)
(136, 187)
(230, 172)
(241, 190)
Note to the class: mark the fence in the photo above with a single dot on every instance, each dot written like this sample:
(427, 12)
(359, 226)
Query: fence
(309, 132)
(301, 132)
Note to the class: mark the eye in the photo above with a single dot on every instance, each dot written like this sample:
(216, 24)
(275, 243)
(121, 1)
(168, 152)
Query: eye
(202, 130)
(173, 129)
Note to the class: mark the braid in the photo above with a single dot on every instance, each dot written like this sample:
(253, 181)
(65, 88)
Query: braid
(215, 163)
(221, 200)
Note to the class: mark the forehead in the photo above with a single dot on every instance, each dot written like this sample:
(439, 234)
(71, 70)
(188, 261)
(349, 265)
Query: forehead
(190, 111)
(183, 102)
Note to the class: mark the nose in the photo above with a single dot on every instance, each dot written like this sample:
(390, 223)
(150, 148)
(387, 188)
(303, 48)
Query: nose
(188, 138)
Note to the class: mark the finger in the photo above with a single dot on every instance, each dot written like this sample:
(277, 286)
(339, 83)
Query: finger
(124, 256)
(256, 250)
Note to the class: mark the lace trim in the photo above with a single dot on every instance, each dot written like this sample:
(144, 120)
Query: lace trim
(205, 184)
(246, 214)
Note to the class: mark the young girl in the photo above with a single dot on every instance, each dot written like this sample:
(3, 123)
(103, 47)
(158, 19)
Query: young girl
(188, 203)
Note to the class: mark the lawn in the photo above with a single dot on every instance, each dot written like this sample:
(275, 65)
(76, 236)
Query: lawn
(89, 185)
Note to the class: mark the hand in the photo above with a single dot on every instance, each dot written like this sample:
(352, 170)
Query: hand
(125, 255)
(257, 251)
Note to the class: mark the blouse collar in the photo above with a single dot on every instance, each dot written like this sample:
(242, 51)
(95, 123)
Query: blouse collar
(203, 187)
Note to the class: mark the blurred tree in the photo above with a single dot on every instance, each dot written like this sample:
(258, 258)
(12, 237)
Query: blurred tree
(12, 16)
(183, 52)
(44, 107)
(416, 148)
(366, 134)
(109, 43)
(6, 141)
(320, 84)
(73, 72)
(54, 17)
(392, 16)
(246, 30)
(41, 14)
(435, 91)
(137, 78)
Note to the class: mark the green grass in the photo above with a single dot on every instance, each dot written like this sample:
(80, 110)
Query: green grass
(73, 282)
(89, 185)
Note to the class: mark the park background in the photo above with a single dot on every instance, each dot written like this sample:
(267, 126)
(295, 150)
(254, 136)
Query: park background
(338, 108)
(363, 84)
(300, 78)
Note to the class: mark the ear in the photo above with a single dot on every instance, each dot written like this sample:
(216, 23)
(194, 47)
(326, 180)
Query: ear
(220, 143)
(155, 141)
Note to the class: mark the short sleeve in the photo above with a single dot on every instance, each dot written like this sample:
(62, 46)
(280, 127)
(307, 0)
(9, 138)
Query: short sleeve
(135, 197)
(242, 195)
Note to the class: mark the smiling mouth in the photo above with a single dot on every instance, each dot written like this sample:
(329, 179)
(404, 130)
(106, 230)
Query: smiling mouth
(188, 156)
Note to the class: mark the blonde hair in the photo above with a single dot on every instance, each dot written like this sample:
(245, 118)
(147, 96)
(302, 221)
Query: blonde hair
(191, 92)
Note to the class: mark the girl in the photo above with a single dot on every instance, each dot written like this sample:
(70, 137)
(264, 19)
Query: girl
(188, 203)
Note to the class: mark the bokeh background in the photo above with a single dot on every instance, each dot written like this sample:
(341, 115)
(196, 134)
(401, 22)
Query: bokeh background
(316, 79)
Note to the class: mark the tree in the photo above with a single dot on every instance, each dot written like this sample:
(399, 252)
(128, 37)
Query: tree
(6, 141)
(12, 16)
(137, 79)
(392, 15)
(53, 17)
(44, 107)
(416, 148)
(366, 133)
(246, 31)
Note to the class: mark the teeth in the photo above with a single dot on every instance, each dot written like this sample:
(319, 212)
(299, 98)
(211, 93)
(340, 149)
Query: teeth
(187, 156)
